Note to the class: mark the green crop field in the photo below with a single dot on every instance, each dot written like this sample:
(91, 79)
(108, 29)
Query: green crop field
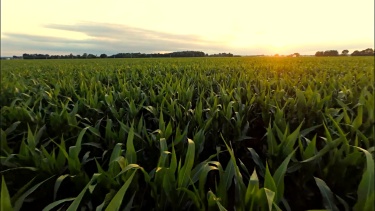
(253, 133)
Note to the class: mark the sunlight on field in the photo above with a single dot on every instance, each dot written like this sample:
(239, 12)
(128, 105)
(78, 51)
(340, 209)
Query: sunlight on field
(251, 133)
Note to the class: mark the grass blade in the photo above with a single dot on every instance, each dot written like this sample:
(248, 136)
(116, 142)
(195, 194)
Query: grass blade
(328, 197)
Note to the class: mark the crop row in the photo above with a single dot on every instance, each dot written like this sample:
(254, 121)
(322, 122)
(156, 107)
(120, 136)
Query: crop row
(188, 134)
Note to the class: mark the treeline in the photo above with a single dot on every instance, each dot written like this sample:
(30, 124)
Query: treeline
(123, 55)
(156, 55)
(366, 52)
(222, 55)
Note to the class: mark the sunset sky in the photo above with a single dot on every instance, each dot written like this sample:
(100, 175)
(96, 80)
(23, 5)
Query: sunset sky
(239, 26)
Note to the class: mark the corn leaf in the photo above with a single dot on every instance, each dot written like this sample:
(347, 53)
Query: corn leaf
(5, 202)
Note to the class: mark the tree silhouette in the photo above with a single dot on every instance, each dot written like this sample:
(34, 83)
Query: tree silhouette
(344, 52)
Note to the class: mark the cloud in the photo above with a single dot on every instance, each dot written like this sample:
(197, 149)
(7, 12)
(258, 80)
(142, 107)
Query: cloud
(125, 33)
(107, 38)
(116, 38)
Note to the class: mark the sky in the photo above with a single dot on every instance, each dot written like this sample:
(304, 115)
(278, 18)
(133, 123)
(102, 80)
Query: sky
(243, 27)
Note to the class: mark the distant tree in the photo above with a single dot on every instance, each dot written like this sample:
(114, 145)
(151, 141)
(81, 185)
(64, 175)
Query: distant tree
(103, 55)
(355, 53)
(367, 52)
(331, 53)
(221, 55)
(277, 55)
(327, 53)
(91, 56)
(84, 55)
(344, 52)
(296, 54)
(319, 53)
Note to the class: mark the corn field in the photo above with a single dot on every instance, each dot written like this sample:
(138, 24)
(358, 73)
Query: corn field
(188, 134)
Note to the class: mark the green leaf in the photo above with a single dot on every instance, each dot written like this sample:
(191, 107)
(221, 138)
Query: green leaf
(212, 200)
(4, 143)
(203, 178)
(173, 165)
(269, 183)
(326, 149)
(257, 161)
(169, 185)
(366, 186)
(135, 166)
(108, 197)
(184, 173)
(291, 140)
(63, 155)
(116, 202)
(341, 132)
(92, 130)
(191, 195)
(22, 190)
(56, 203)
(228, 175)
(168, 131)
(39, 134)
(279, 177)
(58, 182)
(11, 128)
(19, 168)
(343, 202)
(116, 152)
(5, 202)
(252, 188)
(310, 149)
(357, 122)
(79, 140)
(240, 188)
(21, 199)
(309, 130)
(75, 205)
(73, 160)
(328, 197)
(271, 141)
(270, 197)
(30, 138)
(129, 205)
(130, 155)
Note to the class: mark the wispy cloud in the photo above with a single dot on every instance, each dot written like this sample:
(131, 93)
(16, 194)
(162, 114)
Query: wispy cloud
(107, 38)
(116, 38)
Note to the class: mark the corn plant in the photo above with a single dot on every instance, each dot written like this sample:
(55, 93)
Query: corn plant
(188, 134)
